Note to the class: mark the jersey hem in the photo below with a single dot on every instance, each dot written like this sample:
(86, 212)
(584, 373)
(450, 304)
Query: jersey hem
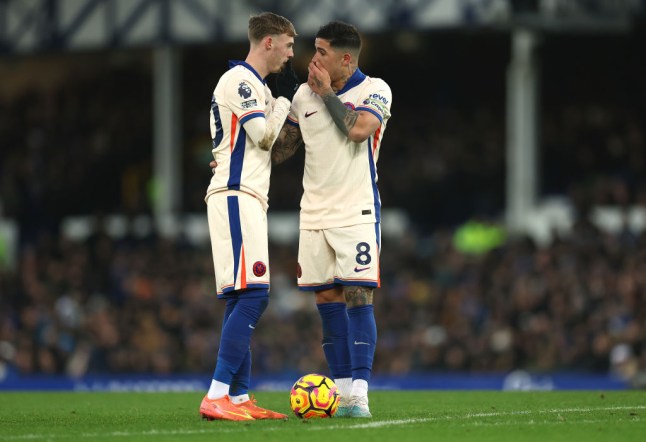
(315, 288)
(230, 291)
(357, 282)
(306, 226)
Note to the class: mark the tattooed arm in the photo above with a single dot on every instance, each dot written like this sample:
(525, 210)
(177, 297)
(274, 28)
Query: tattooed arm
(357, 126)
(344, 117)
(287, 143)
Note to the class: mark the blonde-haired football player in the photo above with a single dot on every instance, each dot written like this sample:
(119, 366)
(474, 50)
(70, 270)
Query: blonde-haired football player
(245, 120)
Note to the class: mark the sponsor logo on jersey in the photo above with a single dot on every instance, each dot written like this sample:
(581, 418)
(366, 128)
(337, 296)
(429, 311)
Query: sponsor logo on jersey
(249, 103)
(244, 90)
(259, 268)
(309, 114)
(378, 97)
(358, 269)
(376, 104)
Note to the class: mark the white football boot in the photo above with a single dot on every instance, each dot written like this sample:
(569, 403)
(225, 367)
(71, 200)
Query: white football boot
(359, 407)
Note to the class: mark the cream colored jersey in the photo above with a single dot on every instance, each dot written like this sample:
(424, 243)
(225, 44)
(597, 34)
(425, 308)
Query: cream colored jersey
(340, 177)
(240, 95)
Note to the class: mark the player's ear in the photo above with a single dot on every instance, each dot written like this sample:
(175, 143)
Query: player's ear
(268, 42)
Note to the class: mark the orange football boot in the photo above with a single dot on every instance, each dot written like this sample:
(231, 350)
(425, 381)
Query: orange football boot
(260, 413)
(223, 409)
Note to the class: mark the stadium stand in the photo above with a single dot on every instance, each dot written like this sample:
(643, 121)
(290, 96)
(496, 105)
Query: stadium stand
(143, 303)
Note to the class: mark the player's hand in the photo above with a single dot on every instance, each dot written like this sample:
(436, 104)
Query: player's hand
(213, 165)
(319, 79)
(285, 83)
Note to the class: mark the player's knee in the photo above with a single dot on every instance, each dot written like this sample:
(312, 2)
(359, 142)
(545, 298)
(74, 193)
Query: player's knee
(252, 308)
(262, 305)
(330, 295)
(253, 302)
(356, 296)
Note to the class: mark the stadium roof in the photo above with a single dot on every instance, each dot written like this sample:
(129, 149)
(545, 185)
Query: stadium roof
(28, 26)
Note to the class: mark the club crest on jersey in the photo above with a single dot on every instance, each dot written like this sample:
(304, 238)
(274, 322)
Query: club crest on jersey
(259, 268)
(244, 90)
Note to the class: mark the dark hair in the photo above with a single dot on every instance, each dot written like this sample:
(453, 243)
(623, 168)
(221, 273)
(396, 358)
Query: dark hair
(340, 35)
(269, 23)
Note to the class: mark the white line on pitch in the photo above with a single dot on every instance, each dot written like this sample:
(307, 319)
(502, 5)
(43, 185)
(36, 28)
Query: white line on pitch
(362, 425)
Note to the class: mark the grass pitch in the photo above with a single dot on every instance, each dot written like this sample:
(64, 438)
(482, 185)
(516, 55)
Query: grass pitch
(398, 416)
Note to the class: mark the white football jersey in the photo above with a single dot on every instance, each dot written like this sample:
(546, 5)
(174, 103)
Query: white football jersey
(340, 177)
(240, 95)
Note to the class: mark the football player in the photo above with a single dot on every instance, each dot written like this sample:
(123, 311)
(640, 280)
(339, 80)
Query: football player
(245, 120)
(340, 115)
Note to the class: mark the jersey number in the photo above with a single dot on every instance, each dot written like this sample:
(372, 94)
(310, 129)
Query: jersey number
(363, 257)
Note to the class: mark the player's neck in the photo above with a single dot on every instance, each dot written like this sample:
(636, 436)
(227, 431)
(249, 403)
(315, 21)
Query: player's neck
(340, 83)
(258, 63)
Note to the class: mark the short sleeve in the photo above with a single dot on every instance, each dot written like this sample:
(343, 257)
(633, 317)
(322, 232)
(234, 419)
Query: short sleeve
(245, 99)
(376, 99)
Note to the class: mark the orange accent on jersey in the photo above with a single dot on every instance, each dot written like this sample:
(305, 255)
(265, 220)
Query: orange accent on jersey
(243, 270)
(356, 280)
(375, 141)
(234, 123)
(251, 112)
(223, 288)
(317, 284)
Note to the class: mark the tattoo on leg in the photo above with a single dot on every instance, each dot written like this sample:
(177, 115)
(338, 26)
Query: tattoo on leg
(356, 296)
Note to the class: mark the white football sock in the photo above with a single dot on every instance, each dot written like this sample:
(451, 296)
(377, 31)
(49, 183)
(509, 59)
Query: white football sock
(345, 386)
(217, 390)
(360, 388)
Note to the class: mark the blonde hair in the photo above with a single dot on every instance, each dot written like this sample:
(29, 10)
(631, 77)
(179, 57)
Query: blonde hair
(268, 23)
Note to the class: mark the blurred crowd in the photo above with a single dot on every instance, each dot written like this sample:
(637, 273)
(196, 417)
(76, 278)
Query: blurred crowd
(146, 304)
(79, 147)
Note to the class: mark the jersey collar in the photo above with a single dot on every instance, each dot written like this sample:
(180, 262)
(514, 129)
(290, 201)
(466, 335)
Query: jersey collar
(234, 63)
(354, 80)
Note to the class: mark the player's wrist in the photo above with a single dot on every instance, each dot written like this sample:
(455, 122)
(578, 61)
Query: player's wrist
(328, 95)
(282, 102)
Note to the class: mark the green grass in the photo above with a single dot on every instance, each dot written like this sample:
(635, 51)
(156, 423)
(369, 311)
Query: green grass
(398, 416)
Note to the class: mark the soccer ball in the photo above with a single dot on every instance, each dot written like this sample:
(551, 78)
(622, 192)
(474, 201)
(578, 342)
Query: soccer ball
(314, 395)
